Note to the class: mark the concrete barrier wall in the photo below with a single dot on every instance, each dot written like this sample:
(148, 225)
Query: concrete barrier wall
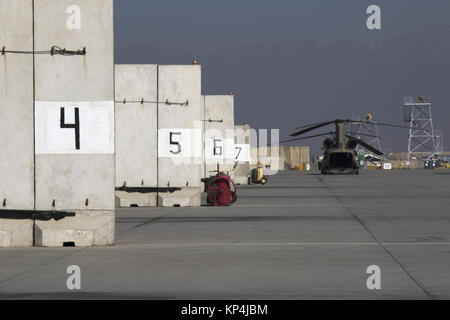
(288, 157)
(71, 176)
(402, 164)
(218, 126)
(16, 106)
(294, 156)
(71, 164)
(16, 121)
(159, 134)
(136, 125)
(253, 157)
(285, 155)
(304, 154)
(180, 161)
(242, 153)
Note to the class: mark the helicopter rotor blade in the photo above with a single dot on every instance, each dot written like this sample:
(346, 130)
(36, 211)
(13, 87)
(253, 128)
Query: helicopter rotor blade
(383, 124)
(316, 126)
(367, 135)
(308, 137)
(367, 146)
(310, 125)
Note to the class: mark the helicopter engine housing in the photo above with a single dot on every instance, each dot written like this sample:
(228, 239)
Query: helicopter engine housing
(351, 144)
(328, 143)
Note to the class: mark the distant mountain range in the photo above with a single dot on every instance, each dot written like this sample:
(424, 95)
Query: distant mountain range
(292, 83)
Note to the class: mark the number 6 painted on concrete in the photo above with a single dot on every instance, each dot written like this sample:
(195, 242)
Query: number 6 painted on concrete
(217, 151)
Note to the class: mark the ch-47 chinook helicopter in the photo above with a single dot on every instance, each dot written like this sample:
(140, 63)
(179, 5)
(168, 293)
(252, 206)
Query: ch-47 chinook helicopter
(340, 155)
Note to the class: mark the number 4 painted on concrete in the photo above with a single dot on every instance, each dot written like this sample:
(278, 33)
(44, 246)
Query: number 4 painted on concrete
(76, 125)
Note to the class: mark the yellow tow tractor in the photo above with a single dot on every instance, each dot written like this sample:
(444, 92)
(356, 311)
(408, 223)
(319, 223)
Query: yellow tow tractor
(257, 175)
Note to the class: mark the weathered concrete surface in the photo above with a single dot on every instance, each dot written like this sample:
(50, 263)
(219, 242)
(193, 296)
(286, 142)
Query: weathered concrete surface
(253, 157)
(16, 233)
(136, 125)
(288, 156)
(186, 197)
(301, 236)
(294, 157)
(132, 199)
(284, 157)
(180, 160)
(80, 78)
(86, 185)
(242, 144)
(218, 133)
(71, 178)
(179, 167)
(16, 106)
(87, 228)
(78, 179)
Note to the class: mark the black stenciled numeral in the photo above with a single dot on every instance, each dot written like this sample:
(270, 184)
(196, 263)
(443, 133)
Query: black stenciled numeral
(76, 125)
(239, 152)
(175, 142)
(217, 151)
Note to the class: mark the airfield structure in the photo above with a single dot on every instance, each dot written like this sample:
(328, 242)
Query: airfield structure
(218, 134)
(242, 153)
(439, 141)
(367, 132)
(57, 123)
(422, 141)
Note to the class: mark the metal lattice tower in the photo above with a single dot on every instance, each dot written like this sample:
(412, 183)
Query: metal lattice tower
(439, 141)
(367, 132)
(422, 138)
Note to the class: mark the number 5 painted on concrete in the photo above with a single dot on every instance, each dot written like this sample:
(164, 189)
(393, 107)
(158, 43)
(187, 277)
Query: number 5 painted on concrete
(175, 142)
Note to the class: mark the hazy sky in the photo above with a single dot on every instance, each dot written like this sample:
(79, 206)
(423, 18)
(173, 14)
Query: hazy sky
(257, 49)
(188, 24)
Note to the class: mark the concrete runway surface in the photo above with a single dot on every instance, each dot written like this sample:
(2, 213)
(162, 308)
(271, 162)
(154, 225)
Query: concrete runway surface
(301, 236)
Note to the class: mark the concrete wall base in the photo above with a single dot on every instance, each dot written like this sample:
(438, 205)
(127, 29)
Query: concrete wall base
(133, 199)
(16, 233)
(186, 197)
(241, 180)
(87, 228)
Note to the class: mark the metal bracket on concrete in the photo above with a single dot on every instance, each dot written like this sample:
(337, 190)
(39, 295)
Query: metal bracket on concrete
(35, 215)
(147, 189)
(210, 120)
(142, 101)
(53, 50)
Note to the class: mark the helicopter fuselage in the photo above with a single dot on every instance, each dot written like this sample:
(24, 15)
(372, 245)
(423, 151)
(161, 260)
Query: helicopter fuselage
(339, 161)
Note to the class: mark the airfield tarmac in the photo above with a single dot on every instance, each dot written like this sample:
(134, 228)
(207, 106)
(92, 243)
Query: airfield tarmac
(301, 236)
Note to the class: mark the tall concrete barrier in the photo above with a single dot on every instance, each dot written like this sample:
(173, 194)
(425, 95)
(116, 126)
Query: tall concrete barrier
(218, 124)
(136, 125)
(242, 153)
(158, 135)
(180, 160)
(64, 50)
(16, 121)
(284, 157)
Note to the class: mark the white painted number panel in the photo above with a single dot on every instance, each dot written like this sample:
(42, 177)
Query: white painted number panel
(74, 127)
